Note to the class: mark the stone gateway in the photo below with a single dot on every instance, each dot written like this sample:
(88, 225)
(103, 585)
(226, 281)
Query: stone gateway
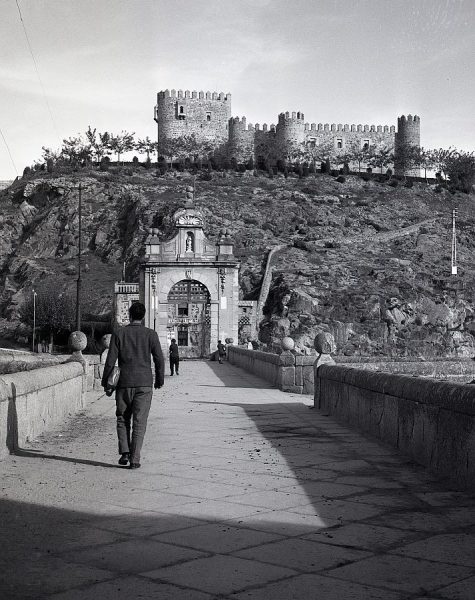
(190, 286)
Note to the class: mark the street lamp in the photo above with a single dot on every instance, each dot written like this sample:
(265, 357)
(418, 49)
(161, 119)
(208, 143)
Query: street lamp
(34, 319)
(78, 288)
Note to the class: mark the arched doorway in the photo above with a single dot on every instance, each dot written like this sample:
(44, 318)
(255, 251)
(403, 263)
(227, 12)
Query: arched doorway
(189, 320)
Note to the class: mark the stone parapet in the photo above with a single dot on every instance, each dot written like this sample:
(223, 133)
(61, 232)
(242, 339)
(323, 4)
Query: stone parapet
(32, 402)
(287, 371)
(433, 422)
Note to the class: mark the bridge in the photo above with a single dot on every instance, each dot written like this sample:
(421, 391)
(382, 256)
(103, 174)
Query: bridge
(245, 492)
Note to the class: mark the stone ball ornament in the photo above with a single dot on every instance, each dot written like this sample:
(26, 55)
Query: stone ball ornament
(229, 340)
(324, 343)
(106, 340)
(288, 343)
(77, 341)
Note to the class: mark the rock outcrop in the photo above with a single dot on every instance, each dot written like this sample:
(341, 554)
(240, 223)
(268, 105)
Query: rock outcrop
(362, 261)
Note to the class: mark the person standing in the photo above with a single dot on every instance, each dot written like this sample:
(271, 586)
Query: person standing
(221, 352)
(174, 357)
(132, 346)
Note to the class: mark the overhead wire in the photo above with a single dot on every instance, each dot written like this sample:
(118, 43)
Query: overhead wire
(45, 97)
(9, 153)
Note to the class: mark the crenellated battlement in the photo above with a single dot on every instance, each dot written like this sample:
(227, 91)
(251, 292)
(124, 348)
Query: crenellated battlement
(207, 116)
(293, 117)
(194, 95)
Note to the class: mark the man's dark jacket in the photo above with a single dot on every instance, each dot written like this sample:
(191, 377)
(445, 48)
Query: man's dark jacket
(173, 350)
(133, 346)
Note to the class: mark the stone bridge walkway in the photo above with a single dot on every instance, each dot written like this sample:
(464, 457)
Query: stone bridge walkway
(244, 493)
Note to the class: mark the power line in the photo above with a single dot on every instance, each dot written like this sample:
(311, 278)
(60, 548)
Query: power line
(9, 153)
(37, 71)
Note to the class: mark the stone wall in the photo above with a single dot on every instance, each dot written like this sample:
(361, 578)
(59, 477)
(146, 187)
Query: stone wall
(205, 115)
(433, 422)
(208, 117)
(287, 371)
(34, 401)
(13, 361)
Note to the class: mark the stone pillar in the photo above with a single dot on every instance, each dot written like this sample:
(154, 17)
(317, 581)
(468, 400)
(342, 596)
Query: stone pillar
(77, 342)
(324, 343)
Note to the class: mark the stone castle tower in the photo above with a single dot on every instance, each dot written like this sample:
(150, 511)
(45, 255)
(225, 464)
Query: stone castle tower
(204, 115)
(408, 134)
(208, 117)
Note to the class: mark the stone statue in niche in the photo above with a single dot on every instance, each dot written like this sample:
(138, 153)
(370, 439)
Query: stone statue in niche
(189, 242)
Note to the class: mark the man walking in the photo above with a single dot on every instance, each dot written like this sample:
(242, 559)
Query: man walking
(174, 357)
(132, 346)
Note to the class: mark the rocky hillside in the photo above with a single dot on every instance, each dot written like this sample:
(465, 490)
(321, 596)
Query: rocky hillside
(365, 261)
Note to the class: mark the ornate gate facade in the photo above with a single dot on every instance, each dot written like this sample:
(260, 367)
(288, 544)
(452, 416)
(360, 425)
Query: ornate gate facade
(190, 286)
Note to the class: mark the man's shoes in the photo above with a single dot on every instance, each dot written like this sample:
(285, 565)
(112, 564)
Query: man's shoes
(177, 373)
(134, 465)
(124, 459)
(171, 374)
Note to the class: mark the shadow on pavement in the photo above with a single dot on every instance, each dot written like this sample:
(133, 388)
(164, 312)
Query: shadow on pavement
(39, 454)
(231, 376)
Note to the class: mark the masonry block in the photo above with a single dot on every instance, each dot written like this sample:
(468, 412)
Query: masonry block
(286, 377)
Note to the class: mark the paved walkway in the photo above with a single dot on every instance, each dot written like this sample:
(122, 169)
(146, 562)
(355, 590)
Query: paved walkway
(244, 493)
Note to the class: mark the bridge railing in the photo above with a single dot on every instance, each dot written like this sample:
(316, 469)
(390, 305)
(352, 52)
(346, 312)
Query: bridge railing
(33, 400)
(431, 421)
(287, 371)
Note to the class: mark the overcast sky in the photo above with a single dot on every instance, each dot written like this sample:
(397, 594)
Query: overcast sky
(101, 63)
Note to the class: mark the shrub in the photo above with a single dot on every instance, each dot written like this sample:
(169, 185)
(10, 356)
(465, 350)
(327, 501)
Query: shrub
(346, 169)
(409, 184)
(341, 179)
(49, 165)
(393, 183)
(241, 168)
(148, 163)
(438, 189)
(250, 164)
(255, 173)
(365, 177)
(135, 160)
(105, 163)
(26, 171)
(306, 171)
(206, 176)
(312, 169)
(389, 172)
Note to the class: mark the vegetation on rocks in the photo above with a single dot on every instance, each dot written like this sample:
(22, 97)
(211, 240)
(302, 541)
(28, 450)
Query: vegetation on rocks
(367, 262)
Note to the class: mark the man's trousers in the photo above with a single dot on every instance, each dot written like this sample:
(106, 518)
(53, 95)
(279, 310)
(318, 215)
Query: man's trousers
(174, 364)
(132, 408)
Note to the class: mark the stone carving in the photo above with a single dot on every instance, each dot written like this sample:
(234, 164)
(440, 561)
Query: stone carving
(189, 242)
(189, 220)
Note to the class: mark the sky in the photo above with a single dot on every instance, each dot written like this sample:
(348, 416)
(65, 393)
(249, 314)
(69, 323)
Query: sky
(102, 62)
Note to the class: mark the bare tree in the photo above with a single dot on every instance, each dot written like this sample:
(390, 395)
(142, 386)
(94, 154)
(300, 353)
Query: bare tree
(54, 311)
(381, 157)
(315, 152)
(122, 142)
(146, 146)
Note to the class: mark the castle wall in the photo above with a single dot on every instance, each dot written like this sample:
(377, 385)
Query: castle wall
(206, 115)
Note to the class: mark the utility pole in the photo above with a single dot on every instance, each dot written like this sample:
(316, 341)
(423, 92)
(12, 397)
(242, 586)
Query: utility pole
(34, 319)
(78, 288)
(454, 243)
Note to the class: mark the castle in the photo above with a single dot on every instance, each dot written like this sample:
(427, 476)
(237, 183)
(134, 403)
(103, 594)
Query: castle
(208, 117)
